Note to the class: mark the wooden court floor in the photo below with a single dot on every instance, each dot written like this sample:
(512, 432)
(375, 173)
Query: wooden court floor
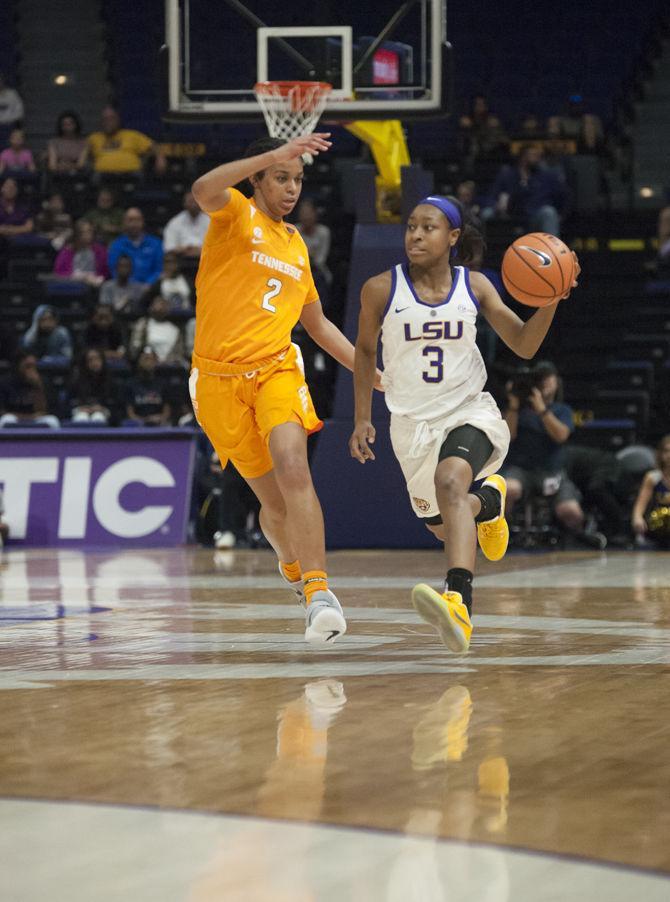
(165, 732)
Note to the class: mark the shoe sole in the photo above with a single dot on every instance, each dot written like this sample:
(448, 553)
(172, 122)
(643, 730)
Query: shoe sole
(431, 607)
(503, 496)
(327, 626)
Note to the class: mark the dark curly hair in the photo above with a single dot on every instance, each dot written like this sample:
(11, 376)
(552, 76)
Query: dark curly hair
(256, 148)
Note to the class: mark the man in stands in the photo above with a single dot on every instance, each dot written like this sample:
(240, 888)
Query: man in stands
(184, 233)
(122, 151)
(528, 191)
(145, 251)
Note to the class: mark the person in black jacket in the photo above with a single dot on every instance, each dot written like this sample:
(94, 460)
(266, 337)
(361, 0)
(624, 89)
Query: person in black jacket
(91, 390)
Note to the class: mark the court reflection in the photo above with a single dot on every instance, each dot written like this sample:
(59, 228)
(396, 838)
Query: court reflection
(294, 784)
(462, 791)
(261, 863)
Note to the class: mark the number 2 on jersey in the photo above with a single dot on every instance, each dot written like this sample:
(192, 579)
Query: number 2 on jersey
(275, 287)
(435, 373)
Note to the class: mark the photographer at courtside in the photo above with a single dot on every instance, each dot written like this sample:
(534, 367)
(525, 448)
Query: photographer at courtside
(540, 424)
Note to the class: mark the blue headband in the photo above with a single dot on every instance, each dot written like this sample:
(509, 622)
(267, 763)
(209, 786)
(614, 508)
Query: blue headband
(444, 206)
(450, 211)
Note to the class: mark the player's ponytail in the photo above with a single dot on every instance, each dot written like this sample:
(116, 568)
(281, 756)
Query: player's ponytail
(470, 247)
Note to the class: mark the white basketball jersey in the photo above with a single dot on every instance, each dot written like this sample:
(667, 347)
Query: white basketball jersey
(432, 365)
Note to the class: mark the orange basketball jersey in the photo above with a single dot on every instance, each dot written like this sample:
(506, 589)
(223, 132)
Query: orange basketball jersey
(252, 283)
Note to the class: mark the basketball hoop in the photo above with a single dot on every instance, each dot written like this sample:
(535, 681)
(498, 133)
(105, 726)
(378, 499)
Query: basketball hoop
(291, 108)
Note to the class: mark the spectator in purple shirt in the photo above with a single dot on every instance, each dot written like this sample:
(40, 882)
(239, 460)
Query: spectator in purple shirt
(17, 159)
(14, 217)
(84, 259)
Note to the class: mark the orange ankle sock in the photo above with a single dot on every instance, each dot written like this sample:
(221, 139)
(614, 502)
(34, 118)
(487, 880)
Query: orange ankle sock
(314, 581)
(291, 571)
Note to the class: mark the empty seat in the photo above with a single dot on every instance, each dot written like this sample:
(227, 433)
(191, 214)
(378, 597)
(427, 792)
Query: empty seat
(609, 435)
(630, 374)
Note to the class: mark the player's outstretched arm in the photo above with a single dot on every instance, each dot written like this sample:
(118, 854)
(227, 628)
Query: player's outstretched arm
(328, 336)
(524, 338)
(374, 296)
(211, 189)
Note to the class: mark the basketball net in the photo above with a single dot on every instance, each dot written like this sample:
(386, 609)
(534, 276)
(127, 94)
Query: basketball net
(292, 108)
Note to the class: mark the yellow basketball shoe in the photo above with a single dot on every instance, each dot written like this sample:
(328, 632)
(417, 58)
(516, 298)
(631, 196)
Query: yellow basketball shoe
(493, 535)
(446, 613)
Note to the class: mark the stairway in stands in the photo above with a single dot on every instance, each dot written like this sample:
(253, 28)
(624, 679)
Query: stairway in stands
(611, 338)
(651, 135)
(61, 38)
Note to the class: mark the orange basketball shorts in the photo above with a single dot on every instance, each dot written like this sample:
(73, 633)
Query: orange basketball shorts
(239, 411)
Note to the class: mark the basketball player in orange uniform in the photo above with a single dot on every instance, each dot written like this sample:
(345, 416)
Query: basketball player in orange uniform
(247, 381)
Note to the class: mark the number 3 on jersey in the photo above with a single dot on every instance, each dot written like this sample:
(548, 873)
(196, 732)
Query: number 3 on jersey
(435, 356)
(275, 287)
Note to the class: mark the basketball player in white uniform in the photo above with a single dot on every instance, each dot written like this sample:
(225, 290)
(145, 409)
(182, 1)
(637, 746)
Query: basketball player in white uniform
(445, 430)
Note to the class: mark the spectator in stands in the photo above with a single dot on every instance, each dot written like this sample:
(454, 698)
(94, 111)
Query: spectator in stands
(158, 333)
(466, 192)
(122, 151)
(122, 293)
(83, 259)
(46, 339)
(11, 106)
(106, 216)
(316, 236)
(67, 153)
(234, 505)
(23, 397)
(540, 424)
(91, 395)
(584, 128)
(598, 476)
(554, 156)
(104, 334)
(14, 217)
(650, 517)
(173, 287)
(53, 222)
(146, 397)
(528, 191)
(185, 233)
(146, 251)
(15, 220)
(17, 159)
(481, 135)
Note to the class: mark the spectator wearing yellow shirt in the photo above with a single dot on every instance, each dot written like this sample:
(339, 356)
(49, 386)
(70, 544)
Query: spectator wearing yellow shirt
(117, 150)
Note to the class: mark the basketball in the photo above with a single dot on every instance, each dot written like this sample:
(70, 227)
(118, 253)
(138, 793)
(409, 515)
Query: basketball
(538, 269)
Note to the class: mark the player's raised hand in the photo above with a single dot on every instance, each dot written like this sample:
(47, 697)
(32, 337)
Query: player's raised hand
(313, 144)
(361, 438)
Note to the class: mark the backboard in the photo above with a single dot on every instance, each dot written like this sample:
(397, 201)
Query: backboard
(384, 59)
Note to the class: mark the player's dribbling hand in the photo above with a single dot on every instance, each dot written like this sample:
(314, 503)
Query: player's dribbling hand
(361, 438)
(313, 144)
(575, 283)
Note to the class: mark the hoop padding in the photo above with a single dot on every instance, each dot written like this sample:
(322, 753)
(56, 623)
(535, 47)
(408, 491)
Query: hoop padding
(291, 108)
